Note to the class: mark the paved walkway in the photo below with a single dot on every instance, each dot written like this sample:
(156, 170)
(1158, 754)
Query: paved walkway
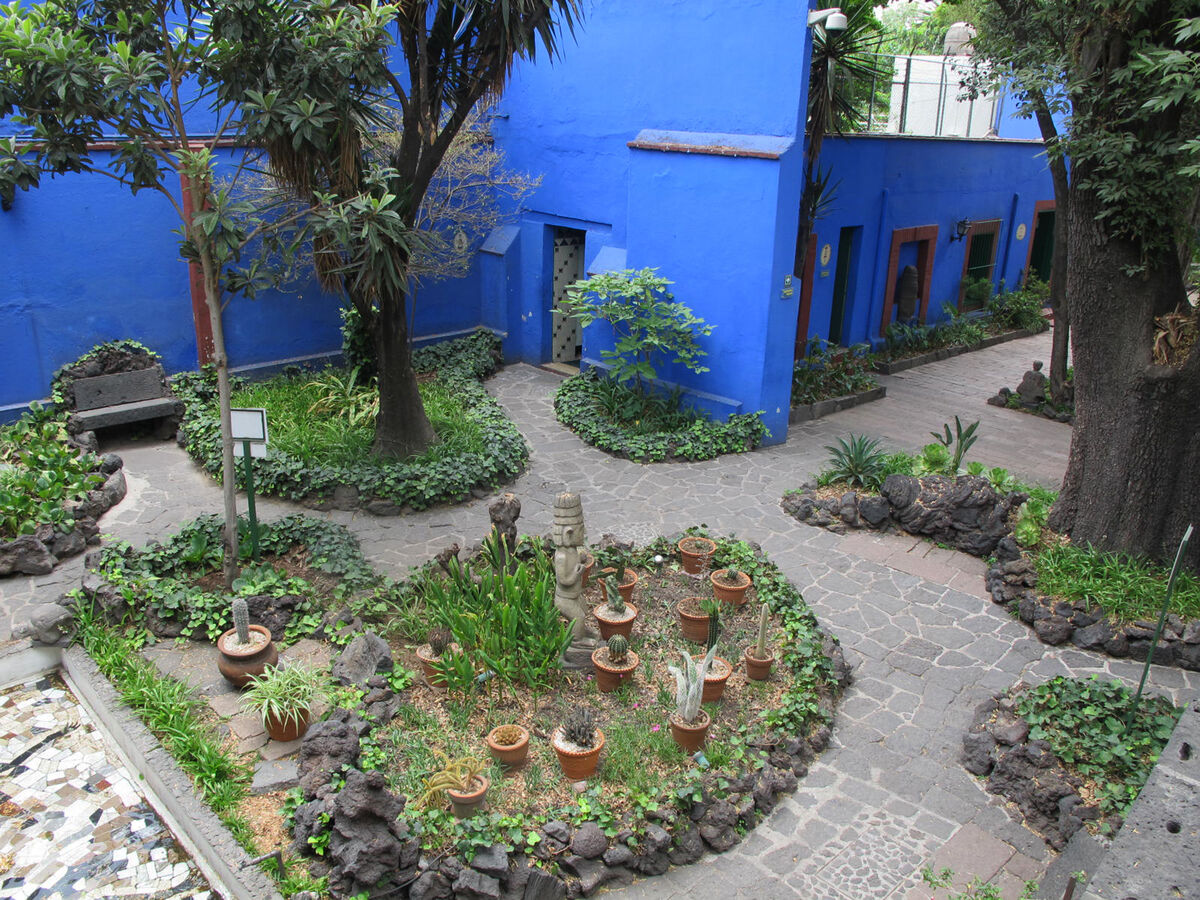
(889, 796)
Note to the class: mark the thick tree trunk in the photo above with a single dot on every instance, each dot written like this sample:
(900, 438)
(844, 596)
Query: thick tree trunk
(1060, 352)
(1133, 479)
(402, 428)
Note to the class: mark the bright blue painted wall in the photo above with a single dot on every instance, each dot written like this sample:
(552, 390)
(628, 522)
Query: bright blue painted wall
(890, 182)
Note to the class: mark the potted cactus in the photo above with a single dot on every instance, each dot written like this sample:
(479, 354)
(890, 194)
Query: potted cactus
(509, 745)
(689, 723)
(614, 663)
(730, 585)
(693, 620)
(615, 615)
(695, 553)
(758, 658)
(578, 743)
(245, 649)
(719, 669)
(430, 654)
(461, 781)
(284, 696)
(629, 579)
(589, 564)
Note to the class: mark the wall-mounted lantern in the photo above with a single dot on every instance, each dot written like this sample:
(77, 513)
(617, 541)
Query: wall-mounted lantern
(961, 228)
(832, 19)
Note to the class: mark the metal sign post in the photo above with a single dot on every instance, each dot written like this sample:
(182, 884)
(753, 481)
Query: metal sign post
(250, 437)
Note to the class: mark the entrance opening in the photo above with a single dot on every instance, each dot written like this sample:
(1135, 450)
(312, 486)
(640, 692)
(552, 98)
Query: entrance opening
(566, 337)
(1041, 247)
(843, 287)
(975, 290)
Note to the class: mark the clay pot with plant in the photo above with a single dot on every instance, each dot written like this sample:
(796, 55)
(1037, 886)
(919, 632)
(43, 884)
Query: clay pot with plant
(588, 561)
(718, 670)
(730, 585)
(461, 781)
(509, 745)
(245, 650)
(614, 663)
(615, 615)
(578, 743)
(758, 658)
(693, 620)
(284, 696)
(430, 654)
(627, 583)
(695, 553)
(689, 723)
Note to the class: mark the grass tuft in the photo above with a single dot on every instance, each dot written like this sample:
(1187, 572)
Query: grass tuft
(1126, 589)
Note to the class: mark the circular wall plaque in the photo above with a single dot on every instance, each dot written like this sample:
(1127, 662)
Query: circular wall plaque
(826, 253)
(1021, 232)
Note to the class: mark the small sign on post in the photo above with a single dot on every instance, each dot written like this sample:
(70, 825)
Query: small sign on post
(249, 431)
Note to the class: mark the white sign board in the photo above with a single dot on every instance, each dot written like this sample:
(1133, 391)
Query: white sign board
(258, 450)
(249, 425)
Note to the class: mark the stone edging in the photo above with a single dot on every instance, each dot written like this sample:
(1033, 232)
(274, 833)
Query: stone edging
(892, 367)
(170, 792)
(810, 411)
(40, 552)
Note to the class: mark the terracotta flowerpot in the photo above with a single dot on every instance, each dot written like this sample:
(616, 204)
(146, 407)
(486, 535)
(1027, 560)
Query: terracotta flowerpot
(730, 593)
(511, 756)
(237, 664)
(628, 583)
(287, 729)
(608, 674)
(758, 669)
(465, 804)
(427, 659)
(695, 553)
(714, 682)
(692, 622)
(691, 737)
(578, 765)
(609, 626)
(589, 564)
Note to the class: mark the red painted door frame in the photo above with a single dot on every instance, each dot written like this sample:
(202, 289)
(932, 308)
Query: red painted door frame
(806, 286)
(200, 319)
(926, 238)
(984, 226)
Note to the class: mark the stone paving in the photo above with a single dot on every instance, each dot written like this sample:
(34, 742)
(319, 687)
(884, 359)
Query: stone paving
(73, 822)
(889, 796)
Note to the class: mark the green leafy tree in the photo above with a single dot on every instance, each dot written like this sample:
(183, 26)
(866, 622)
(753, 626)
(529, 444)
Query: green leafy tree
(1129, 72)
(72, 74)
(453, 53)
(648, 324)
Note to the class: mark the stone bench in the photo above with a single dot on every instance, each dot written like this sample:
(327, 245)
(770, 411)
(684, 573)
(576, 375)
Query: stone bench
(124, 397)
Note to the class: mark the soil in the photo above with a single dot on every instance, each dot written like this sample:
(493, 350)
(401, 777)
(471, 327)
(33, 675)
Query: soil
(295, 563)
(265, 814)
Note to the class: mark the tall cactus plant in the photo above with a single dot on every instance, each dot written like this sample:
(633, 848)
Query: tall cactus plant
(760, 647)
(689, 684)
(615, 602)
(241, 620)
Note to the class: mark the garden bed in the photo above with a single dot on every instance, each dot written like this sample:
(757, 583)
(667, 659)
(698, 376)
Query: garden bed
(323, 459)
(892, 365)
(810, 411)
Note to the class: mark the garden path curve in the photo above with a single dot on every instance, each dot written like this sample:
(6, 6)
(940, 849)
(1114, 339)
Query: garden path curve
(889, 796)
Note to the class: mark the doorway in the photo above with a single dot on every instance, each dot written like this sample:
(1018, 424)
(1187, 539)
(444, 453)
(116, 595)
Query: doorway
(566, 337)
(975, 289)
(1041, 245)
(843, 287)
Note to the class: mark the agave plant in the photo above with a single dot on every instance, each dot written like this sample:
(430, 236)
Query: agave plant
(858, 461)
(689, 684)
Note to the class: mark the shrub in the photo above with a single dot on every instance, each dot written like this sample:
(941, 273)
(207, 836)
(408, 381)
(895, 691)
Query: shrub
(830, 371)
(1022, 308)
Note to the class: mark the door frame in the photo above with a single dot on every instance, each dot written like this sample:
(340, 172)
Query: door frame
(925, 237)
(983, 226)
(804, 313)
(1039, 207)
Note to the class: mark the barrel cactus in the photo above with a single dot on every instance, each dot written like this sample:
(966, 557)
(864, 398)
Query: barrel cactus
(618, 648)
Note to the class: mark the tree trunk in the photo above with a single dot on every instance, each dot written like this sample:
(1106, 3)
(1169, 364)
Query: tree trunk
(1133, 478)
(402, 428)
(1061, 347)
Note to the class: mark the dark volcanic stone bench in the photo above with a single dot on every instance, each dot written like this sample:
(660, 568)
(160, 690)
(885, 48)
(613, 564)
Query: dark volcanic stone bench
(123, 397)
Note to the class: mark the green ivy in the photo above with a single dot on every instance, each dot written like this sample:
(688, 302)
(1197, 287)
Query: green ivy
(417, 484)
(577, 404)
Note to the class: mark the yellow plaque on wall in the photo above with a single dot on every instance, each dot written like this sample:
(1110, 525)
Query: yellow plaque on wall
(826, 253)
(1021, 232)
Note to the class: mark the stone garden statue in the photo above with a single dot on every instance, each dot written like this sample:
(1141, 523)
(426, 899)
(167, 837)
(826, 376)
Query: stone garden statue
(1032, 389)
(568, 536)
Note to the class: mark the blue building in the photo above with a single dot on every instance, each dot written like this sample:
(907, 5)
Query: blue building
(669, 136)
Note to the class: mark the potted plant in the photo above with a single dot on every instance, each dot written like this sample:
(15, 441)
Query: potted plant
(689, 723)
(693, 620)
(509, 745)
(614, 663)
(245, 649)
(430, 654)
(730, 585)
(589, 563)
(614, 616)
(461, 781)
(718, 670)
(695, 553)
(578, 743)
(758, 658)
(628, 581)
(284, 697)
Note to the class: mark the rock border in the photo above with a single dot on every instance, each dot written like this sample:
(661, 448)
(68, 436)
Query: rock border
(809, 411)
(892, 367)
(40, 552)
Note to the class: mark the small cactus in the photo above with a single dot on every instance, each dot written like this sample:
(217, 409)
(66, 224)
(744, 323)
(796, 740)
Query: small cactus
(615, 602)
(618, 648)
(712, 607)
(579, 727)
(439, 640)
(760, 648)
(241, 620)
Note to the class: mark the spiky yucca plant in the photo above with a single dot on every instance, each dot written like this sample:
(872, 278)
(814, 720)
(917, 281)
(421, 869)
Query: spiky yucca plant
(689, 684)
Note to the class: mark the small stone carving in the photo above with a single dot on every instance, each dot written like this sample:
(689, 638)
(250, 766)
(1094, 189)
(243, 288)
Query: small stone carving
(1032, 389)
(569, 535)
(504, 512)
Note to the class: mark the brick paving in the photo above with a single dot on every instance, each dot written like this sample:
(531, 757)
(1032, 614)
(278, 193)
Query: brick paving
(889, 796)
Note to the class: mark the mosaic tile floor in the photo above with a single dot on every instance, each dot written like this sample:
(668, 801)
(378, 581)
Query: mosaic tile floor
(73, 823)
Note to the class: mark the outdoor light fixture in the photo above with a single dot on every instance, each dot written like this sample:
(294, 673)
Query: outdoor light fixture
(832, 19)
(961, 227)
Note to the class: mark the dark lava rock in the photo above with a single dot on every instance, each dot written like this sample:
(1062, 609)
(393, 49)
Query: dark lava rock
(874, 510)
(327, 746)
(977, 755)
(370, 848)
(544, 886)
(366, 655)
(719, 826)
(492, 861)
(25, 555)
(473, 885)
(273, 613)
(589, 841)
(430, 886)
(1053, 630)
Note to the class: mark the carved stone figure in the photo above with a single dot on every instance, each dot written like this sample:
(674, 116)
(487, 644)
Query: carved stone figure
(568, 535)
(1032, 389)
